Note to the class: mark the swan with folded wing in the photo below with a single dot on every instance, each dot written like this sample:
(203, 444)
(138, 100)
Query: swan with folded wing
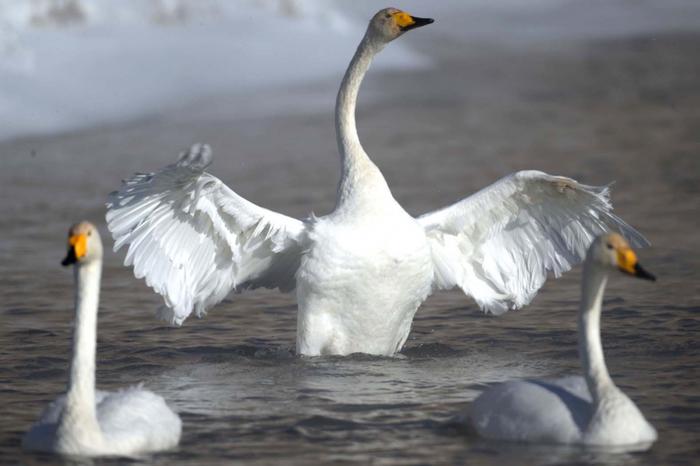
(361, 272)
(588, 410)
(90, 422)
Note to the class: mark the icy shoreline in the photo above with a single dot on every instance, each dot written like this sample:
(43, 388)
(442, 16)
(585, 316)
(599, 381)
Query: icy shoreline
(74, 64)
(109, 64)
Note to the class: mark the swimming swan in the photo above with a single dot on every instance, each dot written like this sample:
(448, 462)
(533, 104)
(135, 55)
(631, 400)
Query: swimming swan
(89, 422)
(361, 272)
(587, 410)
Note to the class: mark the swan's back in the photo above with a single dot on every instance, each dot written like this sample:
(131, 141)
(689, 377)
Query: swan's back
(138, 420)
(533, 410)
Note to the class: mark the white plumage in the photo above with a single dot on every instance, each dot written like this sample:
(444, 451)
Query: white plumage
(89, 422)
(195, 240)
(499, 244)
(131, 421)
(361, 272)
(588, 410)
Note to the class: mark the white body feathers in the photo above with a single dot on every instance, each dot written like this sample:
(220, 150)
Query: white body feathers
(559, 411)
(360, 284)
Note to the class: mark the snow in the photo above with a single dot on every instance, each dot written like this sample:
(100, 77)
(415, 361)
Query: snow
(70, 64)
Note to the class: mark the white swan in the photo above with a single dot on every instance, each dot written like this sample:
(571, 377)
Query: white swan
(361, 272)
(573, 410)
(89, 422)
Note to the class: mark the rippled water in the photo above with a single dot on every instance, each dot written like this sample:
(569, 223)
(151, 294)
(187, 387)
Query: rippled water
(626, 110)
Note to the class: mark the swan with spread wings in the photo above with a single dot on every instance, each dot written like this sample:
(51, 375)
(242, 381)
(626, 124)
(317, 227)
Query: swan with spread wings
(361, 272)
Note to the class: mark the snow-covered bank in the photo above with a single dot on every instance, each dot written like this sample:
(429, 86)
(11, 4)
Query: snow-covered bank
(68, 64)
(76, 63)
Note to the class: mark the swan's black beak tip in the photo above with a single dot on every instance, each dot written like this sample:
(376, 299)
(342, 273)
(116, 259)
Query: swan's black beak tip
(418, 22)
(640, 272)
(70, 258)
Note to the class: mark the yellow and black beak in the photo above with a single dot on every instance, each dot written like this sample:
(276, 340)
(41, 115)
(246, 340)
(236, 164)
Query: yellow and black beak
(628, 263)
(407, 22)
(77, 248)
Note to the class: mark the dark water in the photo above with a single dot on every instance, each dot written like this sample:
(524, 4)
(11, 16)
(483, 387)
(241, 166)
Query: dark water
(626, 110)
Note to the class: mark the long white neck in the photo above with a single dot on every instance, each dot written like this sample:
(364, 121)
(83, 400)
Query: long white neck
(357, 168)
(80, 399)
(590, 347)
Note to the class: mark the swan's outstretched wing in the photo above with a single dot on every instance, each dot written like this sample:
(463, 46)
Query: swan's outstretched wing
(499, 244)
(195, 240)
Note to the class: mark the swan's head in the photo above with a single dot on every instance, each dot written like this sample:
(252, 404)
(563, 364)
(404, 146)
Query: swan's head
(84, 244)
(613, 251)
(390, 23)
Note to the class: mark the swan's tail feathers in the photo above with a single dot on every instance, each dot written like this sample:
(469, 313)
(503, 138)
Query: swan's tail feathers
(194, 240)
(500, 244)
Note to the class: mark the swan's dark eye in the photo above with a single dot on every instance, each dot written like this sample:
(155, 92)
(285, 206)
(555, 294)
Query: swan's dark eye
(90, 233)
(610, 246)
(387, 16)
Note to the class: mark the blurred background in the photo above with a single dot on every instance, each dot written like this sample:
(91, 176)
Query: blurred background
(71, 64)
(600, 90)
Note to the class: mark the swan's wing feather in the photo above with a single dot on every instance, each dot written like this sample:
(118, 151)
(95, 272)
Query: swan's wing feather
(573, 384)
(499, 244)
(534, 411)
(194, 240)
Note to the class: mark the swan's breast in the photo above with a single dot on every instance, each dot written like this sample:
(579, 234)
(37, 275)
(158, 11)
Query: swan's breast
(359, 286)
(618, 421)
(349, 254)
